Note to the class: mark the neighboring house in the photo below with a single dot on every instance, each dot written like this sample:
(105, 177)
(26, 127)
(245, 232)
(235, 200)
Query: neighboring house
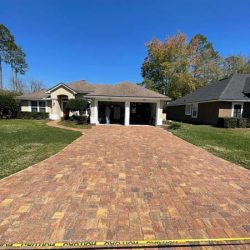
(129, 103)
(229, 97)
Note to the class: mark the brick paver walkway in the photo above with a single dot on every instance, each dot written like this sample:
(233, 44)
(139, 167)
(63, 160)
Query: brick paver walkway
(124, 183)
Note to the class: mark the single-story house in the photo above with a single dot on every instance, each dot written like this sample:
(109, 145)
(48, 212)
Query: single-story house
(128, 103)
(229, 97)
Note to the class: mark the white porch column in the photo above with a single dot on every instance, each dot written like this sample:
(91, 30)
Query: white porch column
(55, 110)
(158, 120)
(127, 113)
(94, 112)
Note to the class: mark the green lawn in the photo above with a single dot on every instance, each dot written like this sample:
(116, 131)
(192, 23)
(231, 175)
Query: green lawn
(230, 144)
(72, 124)
(25, 142)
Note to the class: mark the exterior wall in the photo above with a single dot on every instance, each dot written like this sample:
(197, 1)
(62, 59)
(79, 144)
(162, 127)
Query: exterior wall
(62, 91)
(56, 96)
(54, 106)
(25, 105)
(49, 106)
(177, 113)
(207, 113)
(246, 110)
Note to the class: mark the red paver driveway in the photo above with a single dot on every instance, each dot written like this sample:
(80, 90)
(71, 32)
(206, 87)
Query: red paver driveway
(124, 183)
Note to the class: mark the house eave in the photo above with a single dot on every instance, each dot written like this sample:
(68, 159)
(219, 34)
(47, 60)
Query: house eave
(128, 97)
(31, 99)
(217, 100)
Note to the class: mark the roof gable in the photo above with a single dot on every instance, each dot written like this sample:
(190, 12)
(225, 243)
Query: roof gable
(235, 88)
(59, 86)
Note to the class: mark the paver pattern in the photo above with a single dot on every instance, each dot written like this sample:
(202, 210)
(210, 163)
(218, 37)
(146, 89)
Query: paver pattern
(126, 183)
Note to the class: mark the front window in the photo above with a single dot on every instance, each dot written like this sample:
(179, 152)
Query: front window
(42, 107)
(38, 106)
(188, 109)
(237, 110)
(34, 106)
(195, 110)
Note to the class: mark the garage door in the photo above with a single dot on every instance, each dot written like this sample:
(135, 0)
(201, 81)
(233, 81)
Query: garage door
(142, 113)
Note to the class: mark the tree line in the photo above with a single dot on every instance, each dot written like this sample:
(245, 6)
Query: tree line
(176, 66)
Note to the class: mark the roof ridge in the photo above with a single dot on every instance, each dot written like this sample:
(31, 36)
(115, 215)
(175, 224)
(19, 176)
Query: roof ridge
(139, 86)
(77, 81)
(227, 86)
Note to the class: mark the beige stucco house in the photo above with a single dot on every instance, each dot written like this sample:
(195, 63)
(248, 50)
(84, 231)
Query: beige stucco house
(129, 103)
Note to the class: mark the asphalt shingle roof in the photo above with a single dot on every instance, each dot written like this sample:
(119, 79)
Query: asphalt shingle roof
(231, 88)
(124, 89)
(246, 89)
(34, 96)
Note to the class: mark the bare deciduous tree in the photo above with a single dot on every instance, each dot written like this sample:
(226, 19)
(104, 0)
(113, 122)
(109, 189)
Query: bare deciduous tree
(34, 85)
(17, 84)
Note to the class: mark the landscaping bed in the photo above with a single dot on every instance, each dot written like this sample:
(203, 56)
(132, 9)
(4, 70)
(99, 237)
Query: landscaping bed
(230, 144)
(25, 142)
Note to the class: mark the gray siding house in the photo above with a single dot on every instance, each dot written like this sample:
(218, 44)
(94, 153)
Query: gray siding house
(229, 97)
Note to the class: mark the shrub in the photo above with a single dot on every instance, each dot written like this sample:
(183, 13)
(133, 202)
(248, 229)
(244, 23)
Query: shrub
(9, 107)
(174, 126)
(233, 122)
(72, 118)
(33, 115)
(82, 119)
(77, 105)
(228, 122)
(248, 122)
(220, 122)
(242, 122)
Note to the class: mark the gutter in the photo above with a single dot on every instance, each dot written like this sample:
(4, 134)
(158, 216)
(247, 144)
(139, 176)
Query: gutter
(187, 103)
(128, 97)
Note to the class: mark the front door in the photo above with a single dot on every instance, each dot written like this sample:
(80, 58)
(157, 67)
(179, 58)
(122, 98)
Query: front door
(65, 110)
